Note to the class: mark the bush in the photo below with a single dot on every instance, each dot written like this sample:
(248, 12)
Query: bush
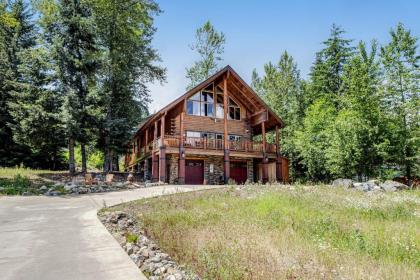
(131, 238)
(16, 186)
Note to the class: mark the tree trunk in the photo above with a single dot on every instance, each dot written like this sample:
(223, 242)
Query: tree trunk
(83, 151)
(72, 165)
(117, 163)
(107, 159)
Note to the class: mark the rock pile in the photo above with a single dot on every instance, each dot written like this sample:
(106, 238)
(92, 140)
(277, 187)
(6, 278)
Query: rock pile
(372, 185)
(71, 188)
(146, 254)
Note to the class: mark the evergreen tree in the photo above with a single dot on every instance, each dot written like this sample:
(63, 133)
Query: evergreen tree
(125, 32)
(357, 133)
(69, 29)
(281, 88)
(36, 111)
(17, 35)
(326, 73)
(209, 46)
(400, 100)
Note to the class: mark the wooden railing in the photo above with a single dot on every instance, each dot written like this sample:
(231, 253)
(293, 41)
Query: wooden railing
(218, 144)
(200, 143)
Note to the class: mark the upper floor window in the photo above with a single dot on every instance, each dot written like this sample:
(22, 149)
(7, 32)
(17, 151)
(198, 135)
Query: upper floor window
(210, 102)
(202, 103)
(219, 103)
(234, 112)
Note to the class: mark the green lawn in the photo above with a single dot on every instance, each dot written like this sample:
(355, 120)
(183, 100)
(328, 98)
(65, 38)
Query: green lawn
(287, 233)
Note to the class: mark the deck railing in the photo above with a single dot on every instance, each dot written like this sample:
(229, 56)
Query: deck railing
(201, 143)
(218, 144)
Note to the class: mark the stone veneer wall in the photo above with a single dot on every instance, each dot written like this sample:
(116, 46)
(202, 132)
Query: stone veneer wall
(173, 168)
(214, 178)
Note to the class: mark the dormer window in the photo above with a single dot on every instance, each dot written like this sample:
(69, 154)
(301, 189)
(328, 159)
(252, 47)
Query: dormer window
(202, 103)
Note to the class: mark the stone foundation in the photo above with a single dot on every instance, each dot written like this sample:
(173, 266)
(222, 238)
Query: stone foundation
(213, 168)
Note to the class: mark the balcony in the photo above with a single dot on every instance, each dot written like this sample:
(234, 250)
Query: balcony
(218, 144)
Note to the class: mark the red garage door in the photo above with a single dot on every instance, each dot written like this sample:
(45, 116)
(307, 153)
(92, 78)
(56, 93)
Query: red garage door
(238, 172)
(194, 172)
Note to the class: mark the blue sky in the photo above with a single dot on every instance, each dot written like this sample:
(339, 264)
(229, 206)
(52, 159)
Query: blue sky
(259, 31)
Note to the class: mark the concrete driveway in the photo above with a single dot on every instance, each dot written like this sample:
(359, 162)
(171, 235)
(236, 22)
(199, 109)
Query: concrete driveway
(61, 237)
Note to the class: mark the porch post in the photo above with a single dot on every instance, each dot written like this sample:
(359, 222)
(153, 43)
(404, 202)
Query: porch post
(155, 159)
(181, 162)
(146, 140)
(265, 159)
(226, 135)
(162, 151)
(278, 156)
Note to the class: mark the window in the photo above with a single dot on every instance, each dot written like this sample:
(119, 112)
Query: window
(202, 103)
(234, 110)
(219, 103)
(193, 134)
(236, 138)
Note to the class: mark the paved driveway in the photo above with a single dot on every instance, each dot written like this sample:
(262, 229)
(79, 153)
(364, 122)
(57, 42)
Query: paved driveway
(61, 237)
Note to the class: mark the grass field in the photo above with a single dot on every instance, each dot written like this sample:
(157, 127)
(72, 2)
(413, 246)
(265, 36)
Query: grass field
(12, 172)
(17, 181)
(287, 232)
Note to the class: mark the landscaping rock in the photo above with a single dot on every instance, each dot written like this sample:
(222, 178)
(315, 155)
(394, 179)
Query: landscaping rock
(392, 186)
(363, 186)
(43, 188)
(145, 253)
(346, 183)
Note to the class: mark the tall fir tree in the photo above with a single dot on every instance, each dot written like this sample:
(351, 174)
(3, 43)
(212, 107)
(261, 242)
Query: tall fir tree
(357, 134)
(401, 98)
(36, 111)
(69, 28)
(125, 32)
(326, 73)
(17, 35)
(281, 88)
(209, 45)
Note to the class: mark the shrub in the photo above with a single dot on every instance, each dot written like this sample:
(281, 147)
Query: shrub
(131, 238)
(16, 186)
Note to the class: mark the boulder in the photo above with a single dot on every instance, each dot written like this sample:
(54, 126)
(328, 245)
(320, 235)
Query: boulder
(392, 186)
(346, 183)
(130, 178)
(363, 186)
(43, 188)
(69, 187)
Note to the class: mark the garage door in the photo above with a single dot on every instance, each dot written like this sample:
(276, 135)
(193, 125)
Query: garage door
(194, 172)
(238, 172)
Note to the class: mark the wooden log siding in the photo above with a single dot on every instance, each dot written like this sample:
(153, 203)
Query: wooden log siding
(167, 128)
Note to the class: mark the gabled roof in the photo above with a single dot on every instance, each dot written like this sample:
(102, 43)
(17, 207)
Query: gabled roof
(236, 86)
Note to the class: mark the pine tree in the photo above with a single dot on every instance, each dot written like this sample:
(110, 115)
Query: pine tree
(125, 32)
(17, 35)
(209, 46)
(281, 88)
(36, 111)
(326, 73)
(69, 29)
(400, 100)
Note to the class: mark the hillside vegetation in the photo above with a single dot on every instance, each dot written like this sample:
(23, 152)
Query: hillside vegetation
(281, 232)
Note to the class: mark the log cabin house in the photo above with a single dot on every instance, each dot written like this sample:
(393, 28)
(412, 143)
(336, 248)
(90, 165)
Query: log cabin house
(206, 137)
